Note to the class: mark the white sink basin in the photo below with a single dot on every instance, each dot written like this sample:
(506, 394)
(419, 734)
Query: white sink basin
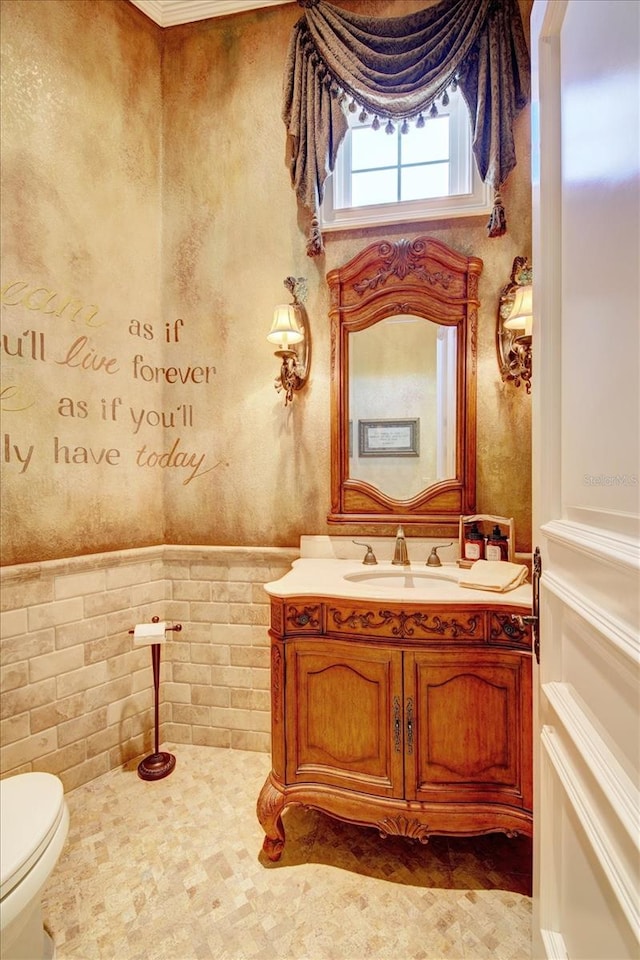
(402, 578)
(351, 580)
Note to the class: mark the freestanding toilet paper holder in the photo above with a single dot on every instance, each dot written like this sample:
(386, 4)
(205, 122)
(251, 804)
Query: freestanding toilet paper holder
(158, 764)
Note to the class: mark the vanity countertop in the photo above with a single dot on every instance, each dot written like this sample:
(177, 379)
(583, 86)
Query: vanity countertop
(418, 583)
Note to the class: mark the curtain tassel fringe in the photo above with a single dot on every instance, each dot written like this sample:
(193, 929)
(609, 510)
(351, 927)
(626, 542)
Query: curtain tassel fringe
(497, 225)
(315, 245)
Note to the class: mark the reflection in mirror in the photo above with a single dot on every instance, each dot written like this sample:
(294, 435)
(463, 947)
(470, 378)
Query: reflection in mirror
(402, 404)
(403, 385)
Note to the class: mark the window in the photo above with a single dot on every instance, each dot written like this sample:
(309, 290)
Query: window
(427, 173)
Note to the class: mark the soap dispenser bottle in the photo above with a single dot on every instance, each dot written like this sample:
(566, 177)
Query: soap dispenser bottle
(473, 543)
(497, 545)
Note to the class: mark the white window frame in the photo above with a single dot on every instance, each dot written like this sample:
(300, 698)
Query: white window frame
(337, 214)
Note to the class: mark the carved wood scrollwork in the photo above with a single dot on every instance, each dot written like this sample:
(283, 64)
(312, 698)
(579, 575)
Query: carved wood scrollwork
(404, 625)
(277, 679)
(307, 617)
(268, 809)
(403, 827)
(270, 802)
(276, 617)
(401, 260)
(504, 627)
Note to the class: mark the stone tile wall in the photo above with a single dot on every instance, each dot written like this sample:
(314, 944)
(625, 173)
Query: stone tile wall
(77, 696)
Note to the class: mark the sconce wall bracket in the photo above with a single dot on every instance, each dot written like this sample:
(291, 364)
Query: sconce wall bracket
(296, 358)
(514, 347)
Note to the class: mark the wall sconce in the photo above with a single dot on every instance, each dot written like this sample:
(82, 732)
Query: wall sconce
(514, 326)
(290, 332)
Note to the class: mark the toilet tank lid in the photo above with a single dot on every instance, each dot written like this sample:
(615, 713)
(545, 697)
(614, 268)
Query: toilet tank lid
(31, 807)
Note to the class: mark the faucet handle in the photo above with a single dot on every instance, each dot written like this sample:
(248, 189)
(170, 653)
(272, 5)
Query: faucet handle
(369, 557)
(434, 560)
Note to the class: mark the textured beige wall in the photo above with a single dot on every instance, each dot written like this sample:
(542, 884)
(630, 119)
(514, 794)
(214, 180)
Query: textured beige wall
(145, 172)
(81, 236)
(233, 232)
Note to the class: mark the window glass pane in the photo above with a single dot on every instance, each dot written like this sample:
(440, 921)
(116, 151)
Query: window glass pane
(428, 143)
(371, 149)
(379, 186)
(441, 177)
(418, 183)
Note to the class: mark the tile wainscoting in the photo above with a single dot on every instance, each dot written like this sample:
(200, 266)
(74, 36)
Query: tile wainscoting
(77, 696)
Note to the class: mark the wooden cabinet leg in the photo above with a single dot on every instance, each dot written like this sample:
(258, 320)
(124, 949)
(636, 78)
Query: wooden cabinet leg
(269, 810)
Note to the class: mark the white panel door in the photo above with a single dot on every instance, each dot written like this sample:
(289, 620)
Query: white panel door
(586, 342)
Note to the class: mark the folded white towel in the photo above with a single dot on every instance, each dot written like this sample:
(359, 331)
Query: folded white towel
(497, 575)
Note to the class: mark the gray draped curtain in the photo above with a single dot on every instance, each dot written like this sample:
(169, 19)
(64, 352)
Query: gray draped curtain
(397, 70)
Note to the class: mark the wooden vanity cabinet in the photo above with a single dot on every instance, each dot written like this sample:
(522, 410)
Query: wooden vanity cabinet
(413, 719)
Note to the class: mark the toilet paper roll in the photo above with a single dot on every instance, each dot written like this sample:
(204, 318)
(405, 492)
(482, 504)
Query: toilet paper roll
(149, 633)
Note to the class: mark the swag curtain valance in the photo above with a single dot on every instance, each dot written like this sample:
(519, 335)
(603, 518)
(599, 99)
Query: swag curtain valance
(396, 70)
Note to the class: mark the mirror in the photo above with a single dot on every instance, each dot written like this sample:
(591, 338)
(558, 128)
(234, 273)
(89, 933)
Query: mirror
(402, 365)
(403, 337)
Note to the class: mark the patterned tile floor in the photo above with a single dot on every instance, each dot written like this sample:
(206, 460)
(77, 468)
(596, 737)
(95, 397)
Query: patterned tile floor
(173, 870)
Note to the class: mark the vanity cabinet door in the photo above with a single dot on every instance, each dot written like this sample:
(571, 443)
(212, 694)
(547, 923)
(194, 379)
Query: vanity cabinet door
(343, 716)
(468, 727)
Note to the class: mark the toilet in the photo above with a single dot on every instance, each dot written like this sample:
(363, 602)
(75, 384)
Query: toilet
(34, 822)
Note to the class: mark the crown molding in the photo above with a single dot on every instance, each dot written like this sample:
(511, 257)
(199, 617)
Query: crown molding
(169, 13)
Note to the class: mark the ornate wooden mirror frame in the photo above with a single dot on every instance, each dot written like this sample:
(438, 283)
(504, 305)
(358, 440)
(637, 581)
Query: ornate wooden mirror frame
(422, 278)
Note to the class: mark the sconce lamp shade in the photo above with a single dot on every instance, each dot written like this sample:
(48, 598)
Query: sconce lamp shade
(522, 309)
(285, 329)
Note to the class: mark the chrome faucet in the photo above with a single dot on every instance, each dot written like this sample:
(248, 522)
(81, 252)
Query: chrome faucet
(400, 555)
